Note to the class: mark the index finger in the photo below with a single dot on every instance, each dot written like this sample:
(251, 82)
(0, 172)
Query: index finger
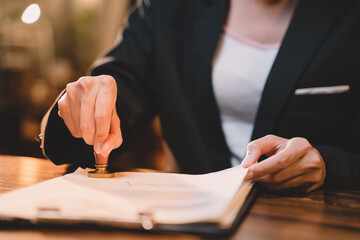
(104, 106)
(265, 145)
(281, 160)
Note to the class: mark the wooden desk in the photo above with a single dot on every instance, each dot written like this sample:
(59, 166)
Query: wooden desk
(316, 215)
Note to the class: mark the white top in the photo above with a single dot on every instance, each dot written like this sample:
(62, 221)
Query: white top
(239, 74)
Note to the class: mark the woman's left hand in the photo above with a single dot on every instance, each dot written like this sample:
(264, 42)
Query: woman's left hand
(291, 163)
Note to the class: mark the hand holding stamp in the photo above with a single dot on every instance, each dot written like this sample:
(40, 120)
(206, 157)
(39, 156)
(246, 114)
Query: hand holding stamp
(88, 108)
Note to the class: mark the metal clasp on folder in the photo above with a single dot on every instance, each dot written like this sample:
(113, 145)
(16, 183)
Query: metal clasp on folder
(47, 213)
(146, 220)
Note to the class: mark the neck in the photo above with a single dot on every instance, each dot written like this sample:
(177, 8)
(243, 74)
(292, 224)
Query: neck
(264, 21)
(273, 2)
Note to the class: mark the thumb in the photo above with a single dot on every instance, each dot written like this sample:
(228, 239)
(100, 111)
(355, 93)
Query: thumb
(253, 153)
(114, 139)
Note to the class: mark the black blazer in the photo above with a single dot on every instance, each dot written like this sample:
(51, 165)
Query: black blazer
(163, 66)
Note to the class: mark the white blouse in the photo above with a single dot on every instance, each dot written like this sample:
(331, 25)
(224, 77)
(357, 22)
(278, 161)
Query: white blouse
(239, 74)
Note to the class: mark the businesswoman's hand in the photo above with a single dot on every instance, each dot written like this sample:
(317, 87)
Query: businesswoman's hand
(291, 163)
(88, 110)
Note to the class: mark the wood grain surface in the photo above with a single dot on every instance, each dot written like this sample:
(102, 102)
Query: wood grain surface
(321, 214)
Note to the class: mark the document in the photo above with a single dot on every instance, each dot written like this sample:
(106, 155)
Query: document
(164, 198)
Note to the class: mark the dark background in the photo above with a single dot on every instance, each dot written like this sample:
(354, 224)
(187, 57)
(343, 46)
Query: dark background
(38, 60)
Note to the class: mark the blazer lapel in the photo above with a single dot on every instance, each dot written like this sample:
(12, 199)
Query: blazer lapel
(309, 26)
(199, 47)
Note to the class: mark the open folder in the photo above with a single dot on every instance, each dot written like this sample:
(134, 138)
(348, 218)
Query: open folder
(207, 203)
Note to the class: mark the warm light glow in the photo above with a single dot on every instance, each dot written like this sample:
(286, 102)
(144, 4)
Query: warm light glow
(31, 14)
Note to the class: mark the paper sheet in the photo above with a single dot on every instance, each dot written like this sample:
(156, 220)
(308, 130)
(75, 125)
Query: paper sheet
(170, 198)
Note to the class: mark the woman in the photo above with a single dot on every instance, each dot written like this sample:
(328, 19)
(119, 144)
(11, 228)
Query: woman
(207, 68)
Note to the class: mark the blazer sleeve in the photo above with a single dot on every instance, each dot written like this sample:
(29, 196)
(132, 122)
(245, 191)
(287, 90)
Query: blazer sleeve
(129, 62)
(342, 167)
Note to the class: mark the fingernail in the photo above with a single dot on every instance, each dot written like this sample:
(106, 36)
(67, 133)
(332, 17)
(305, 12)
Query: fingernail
(97, 148)
(245, 162)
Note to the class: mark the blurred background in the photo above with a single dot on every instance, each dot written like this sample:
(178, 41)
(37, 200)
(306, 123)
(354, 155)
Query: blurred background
(42, 48)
